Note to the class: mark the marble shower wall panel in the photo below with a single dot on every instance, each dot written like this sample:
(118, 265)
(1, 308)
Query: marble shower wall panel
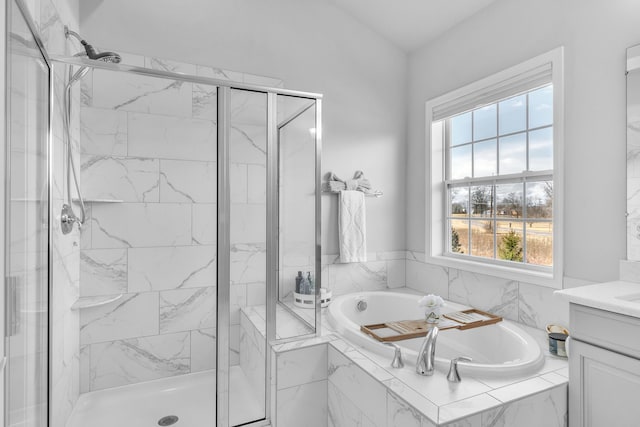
(103, 132)
(172, 267)
(173, 138)
(141, 94)
(120, 178)
(203, 349)
(180, 181)
(149, 145)
(122, 362)
(187, 310)
(103, 272)
(130, 225)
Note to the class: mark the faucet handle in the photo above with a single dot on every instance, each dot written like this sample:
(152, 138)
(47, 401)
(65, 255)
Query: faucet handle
(397, 356)
(453, 375)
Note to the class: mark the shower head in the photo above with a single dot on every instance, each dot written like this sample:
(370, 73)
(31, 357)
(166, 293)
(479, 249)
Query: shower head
(91, 52)
(103, 56)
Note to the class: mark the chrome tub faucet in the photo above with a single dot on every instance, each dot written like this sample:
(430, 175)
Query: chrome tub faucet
(425, 365)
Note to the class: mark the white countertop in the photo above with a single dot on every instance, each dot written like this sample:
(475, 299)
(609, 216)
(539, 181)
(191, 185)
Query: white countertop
(619, 297)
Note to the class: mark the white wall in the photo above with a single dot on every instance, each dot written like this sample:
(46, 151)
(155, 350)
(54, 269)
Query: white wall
(312, 46)
(595, 35)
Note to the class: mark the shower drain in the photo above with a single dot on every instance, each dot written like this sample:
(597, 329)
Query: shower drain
(169, 420)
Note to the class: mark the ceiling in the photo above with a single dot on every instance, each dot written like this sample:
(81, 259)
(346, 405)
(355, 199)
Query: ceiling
(410, 24)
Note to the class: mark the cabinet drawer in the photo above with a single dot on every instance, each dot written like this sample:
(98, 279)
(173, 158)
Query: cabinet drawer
(606, 329)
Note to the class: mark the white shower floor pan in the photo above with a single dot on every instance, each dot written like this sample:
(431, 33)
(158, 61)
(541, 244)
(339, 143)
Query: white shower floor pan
(190, 397)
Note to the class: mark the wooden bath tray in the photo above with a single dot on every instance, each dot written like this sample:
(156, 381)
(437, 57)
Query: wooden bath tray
(408, 329)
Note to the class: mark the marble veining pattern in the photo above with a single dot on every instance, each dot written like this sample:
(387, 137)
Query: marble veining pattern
(187, 309)
(103, 272)
(484, 292)
(116, 178)
(140, 225)
(174, 267)
(139, 359)
(181, 181)
(133, 315)
(103, 132)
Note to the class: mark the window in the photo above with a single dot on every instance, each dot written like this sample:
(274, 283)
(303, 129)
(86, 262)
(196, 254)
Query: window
(495, 180)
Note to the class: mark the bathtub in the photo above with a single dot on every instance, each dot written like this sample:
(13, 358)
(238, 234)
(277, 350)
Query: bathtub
(498, 350)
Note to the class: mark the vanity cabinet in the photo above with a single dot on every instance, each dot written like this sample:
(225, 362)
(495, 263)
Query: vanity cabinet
(604, 368)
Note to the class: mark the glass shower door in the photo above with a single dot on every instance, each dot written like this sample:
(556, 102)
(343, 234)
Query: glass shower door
(26, 247)
(245, 121)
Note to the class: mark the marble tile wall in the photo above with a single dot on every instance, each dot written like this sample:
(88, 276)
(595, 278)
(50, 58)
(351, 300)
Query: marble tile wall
(526, 303)
(383, 270)
(148, 171)
(300, 389)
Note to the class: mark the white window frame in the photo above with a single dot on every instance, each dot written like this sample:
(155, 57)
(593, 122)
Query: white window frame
(485, 91)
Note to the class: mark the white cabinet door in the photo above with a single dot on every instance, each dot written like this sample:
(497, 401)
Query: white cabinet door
(604, 387)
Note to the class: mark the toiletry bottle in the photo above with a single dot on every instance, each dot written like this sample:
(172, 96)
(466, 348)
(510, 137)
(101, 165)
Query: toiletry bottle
(298, 282)
(312, 288)
(304, 286)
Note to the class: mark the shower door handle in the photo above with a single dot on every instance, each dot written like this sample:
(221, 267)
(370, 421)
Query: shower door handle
(12, 300)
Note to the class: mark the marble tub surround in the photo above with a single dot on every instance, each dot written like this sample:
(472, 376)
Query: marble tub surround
(361, 388)
(371, 391)
(149, 174)
(522, 302)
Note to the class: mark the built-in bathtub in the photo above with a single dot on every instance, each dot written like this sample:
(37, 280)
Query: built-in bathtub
(498, 350)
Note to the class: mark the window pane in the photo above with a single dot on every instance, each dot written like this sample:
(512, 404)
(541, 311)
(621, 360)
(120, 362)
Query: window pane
(541, 107)
(482, 201)
(509, 240)
(513, 154)
(459, 198)
(513, 115)
(540, 243)
(460, 236)
(461, 129)
(485, 158)
(540, 199)
(482, 238)
(484, 122)
(509, 200)
(461, 162)
(541, 149)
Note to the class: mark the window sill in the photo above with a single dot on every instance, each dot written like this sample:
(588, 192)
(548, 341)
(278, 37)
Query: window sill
(540, 278)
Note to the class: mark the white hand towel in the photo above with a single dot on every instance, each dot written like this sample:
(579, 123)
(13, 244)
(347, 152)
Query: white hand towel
(352, 227)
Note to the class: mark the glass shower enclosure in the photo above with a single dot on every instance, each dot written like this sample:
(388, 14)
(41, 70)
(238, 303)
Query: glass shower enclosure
(200, 200)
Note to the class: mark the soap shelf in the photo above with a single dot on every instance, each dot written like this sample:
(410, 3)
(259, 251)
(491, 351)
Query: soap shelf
(96, 301)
